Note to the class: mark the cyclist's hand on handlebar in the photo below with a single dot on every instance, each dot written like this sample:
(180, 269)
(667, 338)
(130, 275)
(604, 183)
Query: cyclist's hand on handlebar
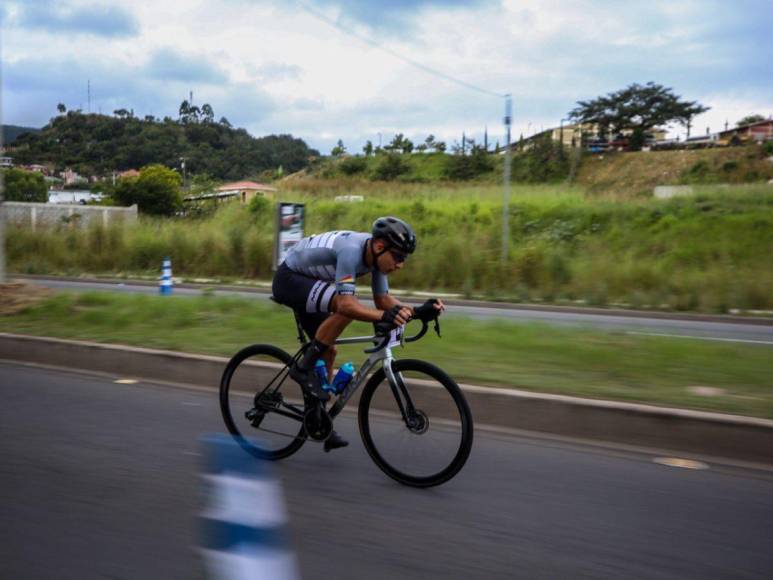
(430, 310)
(397, 315)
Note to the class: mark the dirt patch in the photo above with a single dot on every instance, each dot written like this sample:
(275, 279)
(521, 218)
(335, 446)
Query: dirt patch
(16, 296)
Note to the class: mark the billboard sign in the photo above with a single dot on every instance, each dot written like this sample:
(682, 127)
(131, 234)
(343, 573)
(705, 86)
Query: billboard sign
(289, 229)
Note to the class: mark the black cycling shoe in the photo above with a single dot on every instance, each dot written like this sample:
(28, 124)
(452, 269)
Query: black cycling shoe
(335, 441)
(309, 383)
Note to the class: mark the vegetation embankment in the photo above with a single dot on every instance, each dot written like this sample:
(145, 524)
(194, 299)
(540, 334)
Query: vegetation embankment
(626, 174)
(526, 356)
(707, 252)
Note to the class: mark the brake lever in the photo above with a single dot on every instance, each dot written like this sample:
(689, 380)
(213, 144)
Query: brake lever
(437, 327)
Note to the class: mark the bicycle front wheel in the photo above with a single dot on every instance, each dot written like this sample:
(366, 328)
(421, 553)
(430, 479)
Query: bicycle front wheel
(418, 428)
(262, 407)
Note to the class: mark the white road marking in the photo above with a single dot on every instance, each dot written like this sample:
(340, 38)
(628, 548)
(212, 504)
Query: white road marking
(678, 462)
(701, 337)
(126, 381)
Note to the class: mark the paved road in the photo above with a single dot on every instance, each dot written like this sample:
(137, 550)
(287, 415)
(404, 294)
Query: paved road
(696, 329)
(98, 480)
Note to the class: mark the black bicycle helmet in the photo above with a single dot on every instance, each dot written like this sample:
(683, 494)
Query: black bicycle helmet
(396, 233)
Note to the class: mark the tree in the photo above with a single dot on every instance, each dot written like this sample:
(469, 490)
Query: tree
(25, 186)
(155, 191)
(400, 143)
(636, 107)
(368, 149)
(339, 149)
(207, 113)
(185, 111)
(749, 119)
(61, 108)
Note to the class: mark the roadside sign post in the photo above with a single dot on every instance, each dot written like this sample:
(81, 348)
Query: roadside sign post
(290, 220)
(2, 231)
(506, 193)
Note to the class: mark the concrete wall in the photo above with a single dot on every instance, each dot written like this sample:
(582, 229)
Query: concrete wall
(40, 215)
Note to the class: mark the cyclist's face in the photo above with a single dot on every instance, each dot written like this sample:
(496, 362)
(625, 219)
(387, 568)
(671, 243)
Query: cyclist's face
(390, 260)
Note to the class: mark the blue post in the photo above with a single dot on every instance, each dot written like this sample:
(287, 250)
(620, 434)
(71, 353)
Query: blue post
(165, 285)
(244, 521)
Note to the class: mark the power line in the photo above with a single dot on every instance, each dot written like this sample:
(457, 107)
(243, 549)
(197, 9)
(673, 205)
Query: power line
(346, 30)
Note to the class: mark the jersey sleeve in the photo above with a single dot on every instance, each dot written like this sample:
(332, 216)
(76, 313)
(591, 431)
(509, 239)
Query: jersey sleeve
(346, 271)
(378, 283)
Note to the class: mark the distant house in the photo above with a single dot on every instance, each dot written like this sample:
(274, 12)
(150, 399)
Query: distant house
(36, 167)
(587, 134)
(128, 173)
(244, 190)
(6, 161)
(760, 131)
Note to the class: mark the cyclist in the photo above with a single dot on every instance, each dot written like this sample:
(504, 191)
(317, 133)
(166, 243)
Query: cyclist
(317, 280)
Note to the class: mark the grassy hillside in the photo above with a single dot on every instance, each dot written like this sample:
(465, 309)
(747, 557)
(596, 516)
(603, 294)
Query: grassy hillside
(707, 252)
(618, 174)
(638, 173)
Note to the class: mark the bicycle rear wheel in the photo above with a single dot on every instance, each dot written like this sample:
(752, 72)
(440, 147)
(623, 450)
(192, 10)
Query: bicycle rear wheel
(419, 429)
(262, 407)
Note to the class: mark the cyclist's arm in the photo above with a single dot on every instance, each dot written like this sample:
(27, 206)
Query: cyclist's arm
(348, 305)
(386, 301)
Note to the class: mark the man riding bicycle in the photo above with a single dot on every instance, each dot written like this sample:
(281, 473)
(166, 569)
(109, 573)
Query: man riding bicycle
(317, 280)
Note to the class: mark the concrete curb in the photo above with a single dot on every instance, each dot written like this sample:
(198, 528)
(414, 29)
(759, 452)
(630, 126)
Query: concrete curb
(714, 434)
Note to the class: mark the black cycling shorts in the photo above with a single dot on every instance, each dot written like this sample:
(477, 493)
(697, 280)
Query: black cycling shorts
(309, 297)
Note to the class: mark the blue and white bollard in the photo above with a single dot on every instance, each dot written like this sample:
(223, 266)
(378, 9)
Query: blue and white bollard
(244, 520)
(165, 285)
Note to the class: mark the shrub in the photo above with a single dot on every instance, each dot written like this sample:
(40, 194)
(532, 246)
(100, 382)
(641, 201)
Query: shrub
(353, 165)
(24, 186)
(390, 167)
(462, 167)
(545, 161)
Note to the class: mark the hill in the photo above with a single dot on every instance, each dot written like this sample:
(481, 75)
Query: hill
(640, 172)
(623, 174)
(94, 144)
(11, 132)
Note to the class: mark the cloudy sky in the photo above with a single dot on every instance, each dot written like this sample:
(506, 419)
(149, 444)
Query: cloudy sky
(366, 69)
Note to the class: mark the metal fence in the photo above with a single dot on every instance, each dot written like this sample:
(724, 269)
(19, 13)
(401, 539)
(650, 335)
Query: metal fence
(42, 215)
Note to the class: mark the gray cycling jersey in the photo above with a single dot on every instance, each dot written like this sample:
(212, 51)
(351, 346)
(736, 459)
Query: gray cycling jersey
(335, 256)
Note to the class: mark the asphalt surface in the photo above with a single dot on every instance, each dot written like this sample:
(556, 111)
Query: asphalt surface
(99, 480)
(694, 329)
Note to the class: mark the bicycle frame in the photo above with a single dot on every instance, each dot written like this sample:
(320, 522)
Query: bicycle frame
(381, 356)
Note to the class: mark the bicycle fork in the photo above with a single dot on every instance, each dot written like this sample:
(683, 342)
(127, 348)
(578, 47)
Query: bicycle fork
(402, 397)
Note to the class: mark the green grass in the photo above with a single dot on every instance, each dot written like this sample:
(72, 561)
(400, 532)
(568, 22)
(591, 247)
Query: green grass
(708, 252)
(533, 357)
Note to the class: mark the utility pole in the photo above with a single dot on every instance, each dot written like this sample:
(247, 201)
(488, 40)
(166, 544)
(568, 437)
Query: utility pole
(506, 194)
(2, 231)
(88, 92)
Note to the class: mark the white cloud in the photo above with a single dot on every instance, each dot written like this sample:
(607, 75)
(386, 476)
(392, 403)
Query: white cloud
(274, 67)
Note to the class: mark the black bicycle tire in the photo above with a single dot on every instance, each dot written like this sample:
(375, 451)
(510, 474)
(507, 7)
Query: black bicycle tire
(465, 414)
(233, 364)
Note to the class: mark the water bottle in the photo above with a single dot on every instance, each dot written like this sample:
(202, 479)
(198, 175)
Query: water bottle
(321, 369)
(342, 378)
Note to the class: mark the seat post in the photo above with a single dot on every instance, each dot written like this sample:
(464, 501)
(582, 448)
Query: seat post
(299, 328)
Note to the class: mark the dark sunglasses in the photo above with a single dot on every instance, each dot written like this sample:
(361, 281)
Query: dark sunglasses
(397, 256)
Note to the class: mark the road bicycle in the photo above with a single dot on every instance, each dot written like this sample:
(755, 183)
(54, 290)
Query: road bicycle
(413, 418)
